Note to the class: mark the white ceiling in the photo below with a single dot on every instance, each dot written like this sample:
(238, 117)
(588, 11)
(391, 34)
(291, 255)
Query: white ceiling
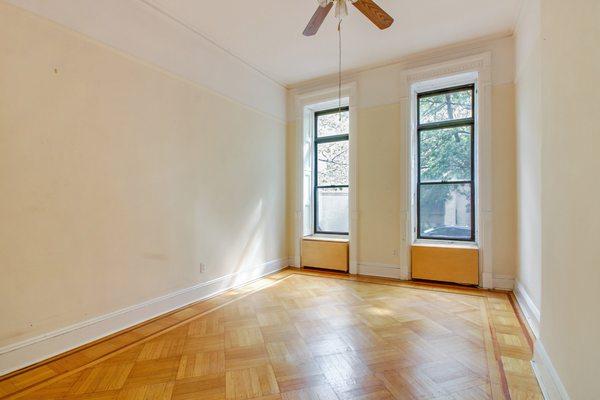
(267, 34)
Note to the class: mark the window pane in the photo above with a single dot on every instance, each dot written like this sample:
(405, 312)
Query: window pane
(332, 163)
(332, 124)
(332, 212)
(445, 211)
(445, 107)
(445, 154)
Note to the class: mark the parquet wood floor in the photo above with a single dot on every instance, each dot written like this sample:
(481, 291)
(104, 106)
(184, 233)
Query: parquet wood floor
(300, 335)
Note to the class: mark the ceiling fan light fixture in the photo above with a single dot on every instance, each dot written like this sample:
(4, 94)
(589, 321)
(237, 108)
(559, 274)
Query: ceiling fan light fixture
(341, 9)
(341, 6)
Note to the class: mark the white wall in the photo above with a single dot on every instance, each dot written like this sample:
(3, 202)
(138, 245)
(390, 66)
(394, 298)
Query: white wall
(119, 178)
(570, 325)
(558, 103)
(528, 81)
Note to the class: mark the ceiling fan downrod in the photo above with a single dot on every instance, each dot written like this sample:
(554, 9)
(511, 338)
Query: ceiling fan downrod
(368, 8)
(340, 69)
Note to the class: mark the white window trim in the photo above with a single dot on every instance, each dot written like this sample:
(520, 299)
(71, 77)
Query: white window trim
(475, 69)
(306, 104)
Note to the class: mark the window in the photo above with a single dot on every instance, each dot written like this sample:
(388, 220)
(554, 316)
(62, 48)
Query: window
(331, 171)
(445, 164)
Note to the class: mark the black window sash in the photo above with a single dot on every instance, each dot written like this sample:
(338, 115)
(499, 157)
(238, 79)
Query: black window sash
(316, 186)
(440, 125)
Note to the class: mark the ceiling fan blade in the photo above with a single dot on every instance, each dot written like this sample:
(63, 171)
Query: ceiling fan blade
(372, 11)
(317, 19)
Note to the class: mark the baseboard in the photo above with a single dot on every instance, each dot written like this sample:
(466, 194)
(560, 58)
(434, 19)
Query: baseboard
(487, 280)
(530, 310)
(382, 270)
(550, 383)
(395, 271)
(39, 348)
(504, 282)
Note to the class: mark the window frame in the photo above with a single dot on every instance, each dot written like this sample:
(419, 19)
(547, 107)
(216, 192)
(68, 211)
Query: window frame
(452, 123)
(327, 139)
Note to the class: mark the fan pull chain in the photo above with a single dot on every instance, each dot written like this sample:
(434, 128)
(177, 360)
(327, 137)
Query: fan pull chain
(340, 69)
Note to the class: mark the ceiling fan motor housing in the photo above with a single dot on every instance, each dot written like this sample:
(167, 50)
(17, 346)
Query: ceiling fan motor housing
(341, 7)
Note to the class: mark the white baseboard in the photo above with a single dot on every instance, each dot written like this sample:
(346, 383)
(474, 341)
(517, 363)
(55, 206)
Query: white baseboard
(550, 383)
(382, 270)
(39, 348)
(530, 310)
(487, 280)
(504, 282)
(291, 262)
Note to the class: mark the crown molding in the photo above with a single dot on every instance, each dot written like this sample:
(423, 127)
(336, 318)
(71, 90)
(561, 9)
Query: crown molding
(434, 55)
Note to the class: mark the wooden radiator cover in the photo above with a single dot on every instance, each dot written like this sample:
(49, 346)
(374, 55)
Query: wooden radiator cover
(447, 264)
(325, 253)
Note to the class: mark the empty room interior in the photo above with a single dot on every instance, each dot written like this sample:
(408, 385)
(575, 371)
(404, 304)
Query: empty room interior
(300, 199)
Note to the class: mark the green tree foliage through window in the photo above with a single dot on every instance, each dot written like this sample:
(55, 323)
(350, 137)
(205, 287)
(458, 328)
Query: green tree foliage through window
(445, 133)
(446, 154)
(445, 107)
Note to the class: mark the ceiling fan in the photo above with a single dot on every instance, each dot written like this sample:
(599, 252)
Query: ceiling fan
(368, 7)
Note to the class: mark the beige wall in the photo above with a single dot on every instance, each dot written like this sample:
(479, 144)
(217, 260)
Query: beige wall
(291, 160)
(382, 156)
(558, 104)
(138, 29)
(118, 180)
(504, 240)
(570, 324)
(529, 147)
(380, 195)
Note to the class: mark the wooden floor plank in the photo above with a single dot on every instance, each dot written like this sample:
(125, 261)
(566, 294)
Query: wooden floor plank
(305, 335)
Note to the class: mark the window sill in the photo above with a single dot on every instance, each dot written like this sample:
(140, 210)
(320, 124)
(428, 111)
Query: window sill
(446, 244)
(327, 238)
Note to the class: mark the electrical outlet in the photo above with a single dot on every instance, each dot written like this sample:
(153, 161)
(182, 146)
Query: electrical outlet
(202, 268)
(395, 252)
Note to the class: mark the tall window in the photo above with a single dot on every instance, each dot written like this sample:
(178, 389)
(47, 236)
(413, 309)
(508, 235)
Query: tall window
(445, 162)
(331, 171)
